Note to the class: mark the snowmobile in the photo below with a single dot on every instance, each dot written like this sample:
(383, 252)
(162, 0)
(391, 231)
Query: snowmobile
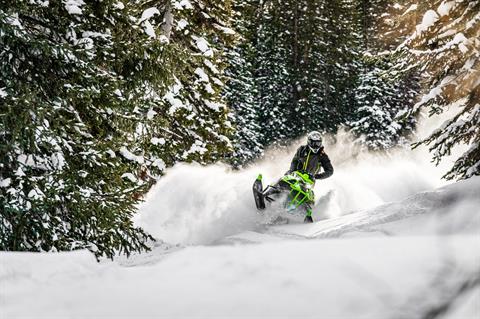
(297, 185)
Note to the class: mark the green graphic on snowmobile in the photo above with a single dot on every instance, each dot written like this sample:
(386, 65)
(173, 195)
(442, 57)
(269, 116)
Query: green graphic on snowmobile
(300, 190)
(299, 186)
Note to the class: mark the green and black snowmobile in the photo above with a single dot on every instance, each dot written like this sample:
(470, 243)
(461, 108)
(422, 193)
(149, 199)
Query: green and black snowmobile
(298, 187)
(299, 181)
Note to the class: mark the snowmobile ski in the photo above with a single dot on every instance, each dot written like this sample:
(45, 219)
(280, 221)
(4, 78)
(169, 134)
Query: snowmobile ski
(258, 193)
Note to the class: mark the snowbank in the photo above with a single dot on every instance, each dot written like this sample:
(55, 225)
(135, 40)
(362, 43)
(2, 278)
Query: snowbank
(401, 260)
(453, 209)
(350, 278)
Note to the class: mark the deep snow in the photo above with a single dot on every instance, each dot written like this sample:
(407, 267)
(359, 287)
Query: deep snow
(391, 240)
(352, 278)
(399, 260)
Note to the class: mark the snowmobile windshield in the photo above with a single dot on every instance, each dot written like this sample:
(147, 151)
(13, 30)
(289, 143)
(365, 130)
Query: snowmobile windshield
(300, 186)
(297, 176)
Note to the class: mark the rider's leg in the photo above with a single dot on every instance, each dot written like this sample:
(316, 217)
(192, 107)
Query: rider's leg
(308, 213)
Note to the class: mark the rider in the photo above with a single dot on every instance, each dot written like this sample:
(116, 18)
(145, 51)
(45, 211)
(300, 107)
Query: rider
(310, 158)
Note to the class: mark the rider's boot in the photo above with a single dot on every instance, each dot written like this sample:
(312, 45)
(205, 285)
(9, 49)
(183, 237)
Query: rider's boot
(308, 217)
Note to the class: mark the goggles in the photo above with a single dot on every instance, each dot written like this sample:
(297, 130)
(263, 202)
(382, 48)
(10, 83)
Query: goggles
(315, 144)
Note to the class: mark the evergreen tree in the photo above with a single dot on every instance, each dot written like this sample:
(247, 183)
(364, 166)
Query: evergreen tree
(61, 186)
(241, 90)
(94, 98)
(333, 64)
(272, 75)
(196, 111)
(385, 88)
(443, 42)
(310, 72)
(303, 69)
(378, 121)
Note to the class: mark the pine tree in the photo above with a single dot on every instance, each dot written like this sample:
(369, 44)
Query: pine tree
(95, 97)
(311, 73)
(443, 42)
(381, 102)
(333, 64)
(196, 112)
(241, 90)
(61, 187)
(386, 86)
(305, 70)
(272, 74)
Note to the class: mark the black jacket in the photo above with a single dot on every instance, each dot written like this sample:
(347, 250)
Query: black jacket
(308, 161)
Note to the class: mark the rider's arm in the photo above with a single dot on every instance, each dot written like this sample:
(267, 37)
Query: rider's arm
(327, 167)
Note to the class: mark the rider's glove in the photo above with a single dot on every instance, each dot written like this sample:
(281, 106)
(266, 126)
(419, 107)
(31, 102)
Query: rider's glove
(319, 176)
(310, 175)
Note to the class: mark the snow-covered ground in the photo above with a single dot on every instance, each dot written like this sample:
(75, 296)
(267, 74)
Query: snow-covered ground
(405, 259)
(391, 240)
(375, 277)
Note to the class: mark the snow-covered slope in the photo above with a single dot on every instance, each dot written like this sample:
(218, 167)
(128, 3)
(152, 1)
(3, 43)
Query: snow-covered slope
(351, 278)
(453, 209)
(411, 258)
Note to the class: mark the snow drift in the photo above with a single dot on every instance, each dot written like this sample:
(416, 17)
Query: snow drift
(388, 265)
(391, 241)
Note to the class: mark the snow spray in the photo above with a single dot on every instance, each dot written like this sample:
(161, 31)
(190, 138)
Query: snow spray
(193, 204)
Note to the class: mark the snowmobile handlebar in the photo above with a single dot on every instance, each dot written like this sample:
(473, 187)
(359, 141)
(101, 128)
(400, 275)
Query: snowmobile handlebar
(303, 175)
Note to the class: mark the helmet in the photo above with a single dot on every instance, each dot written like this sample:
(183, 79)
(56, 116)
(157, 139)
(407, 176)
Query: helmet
(314, 141)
